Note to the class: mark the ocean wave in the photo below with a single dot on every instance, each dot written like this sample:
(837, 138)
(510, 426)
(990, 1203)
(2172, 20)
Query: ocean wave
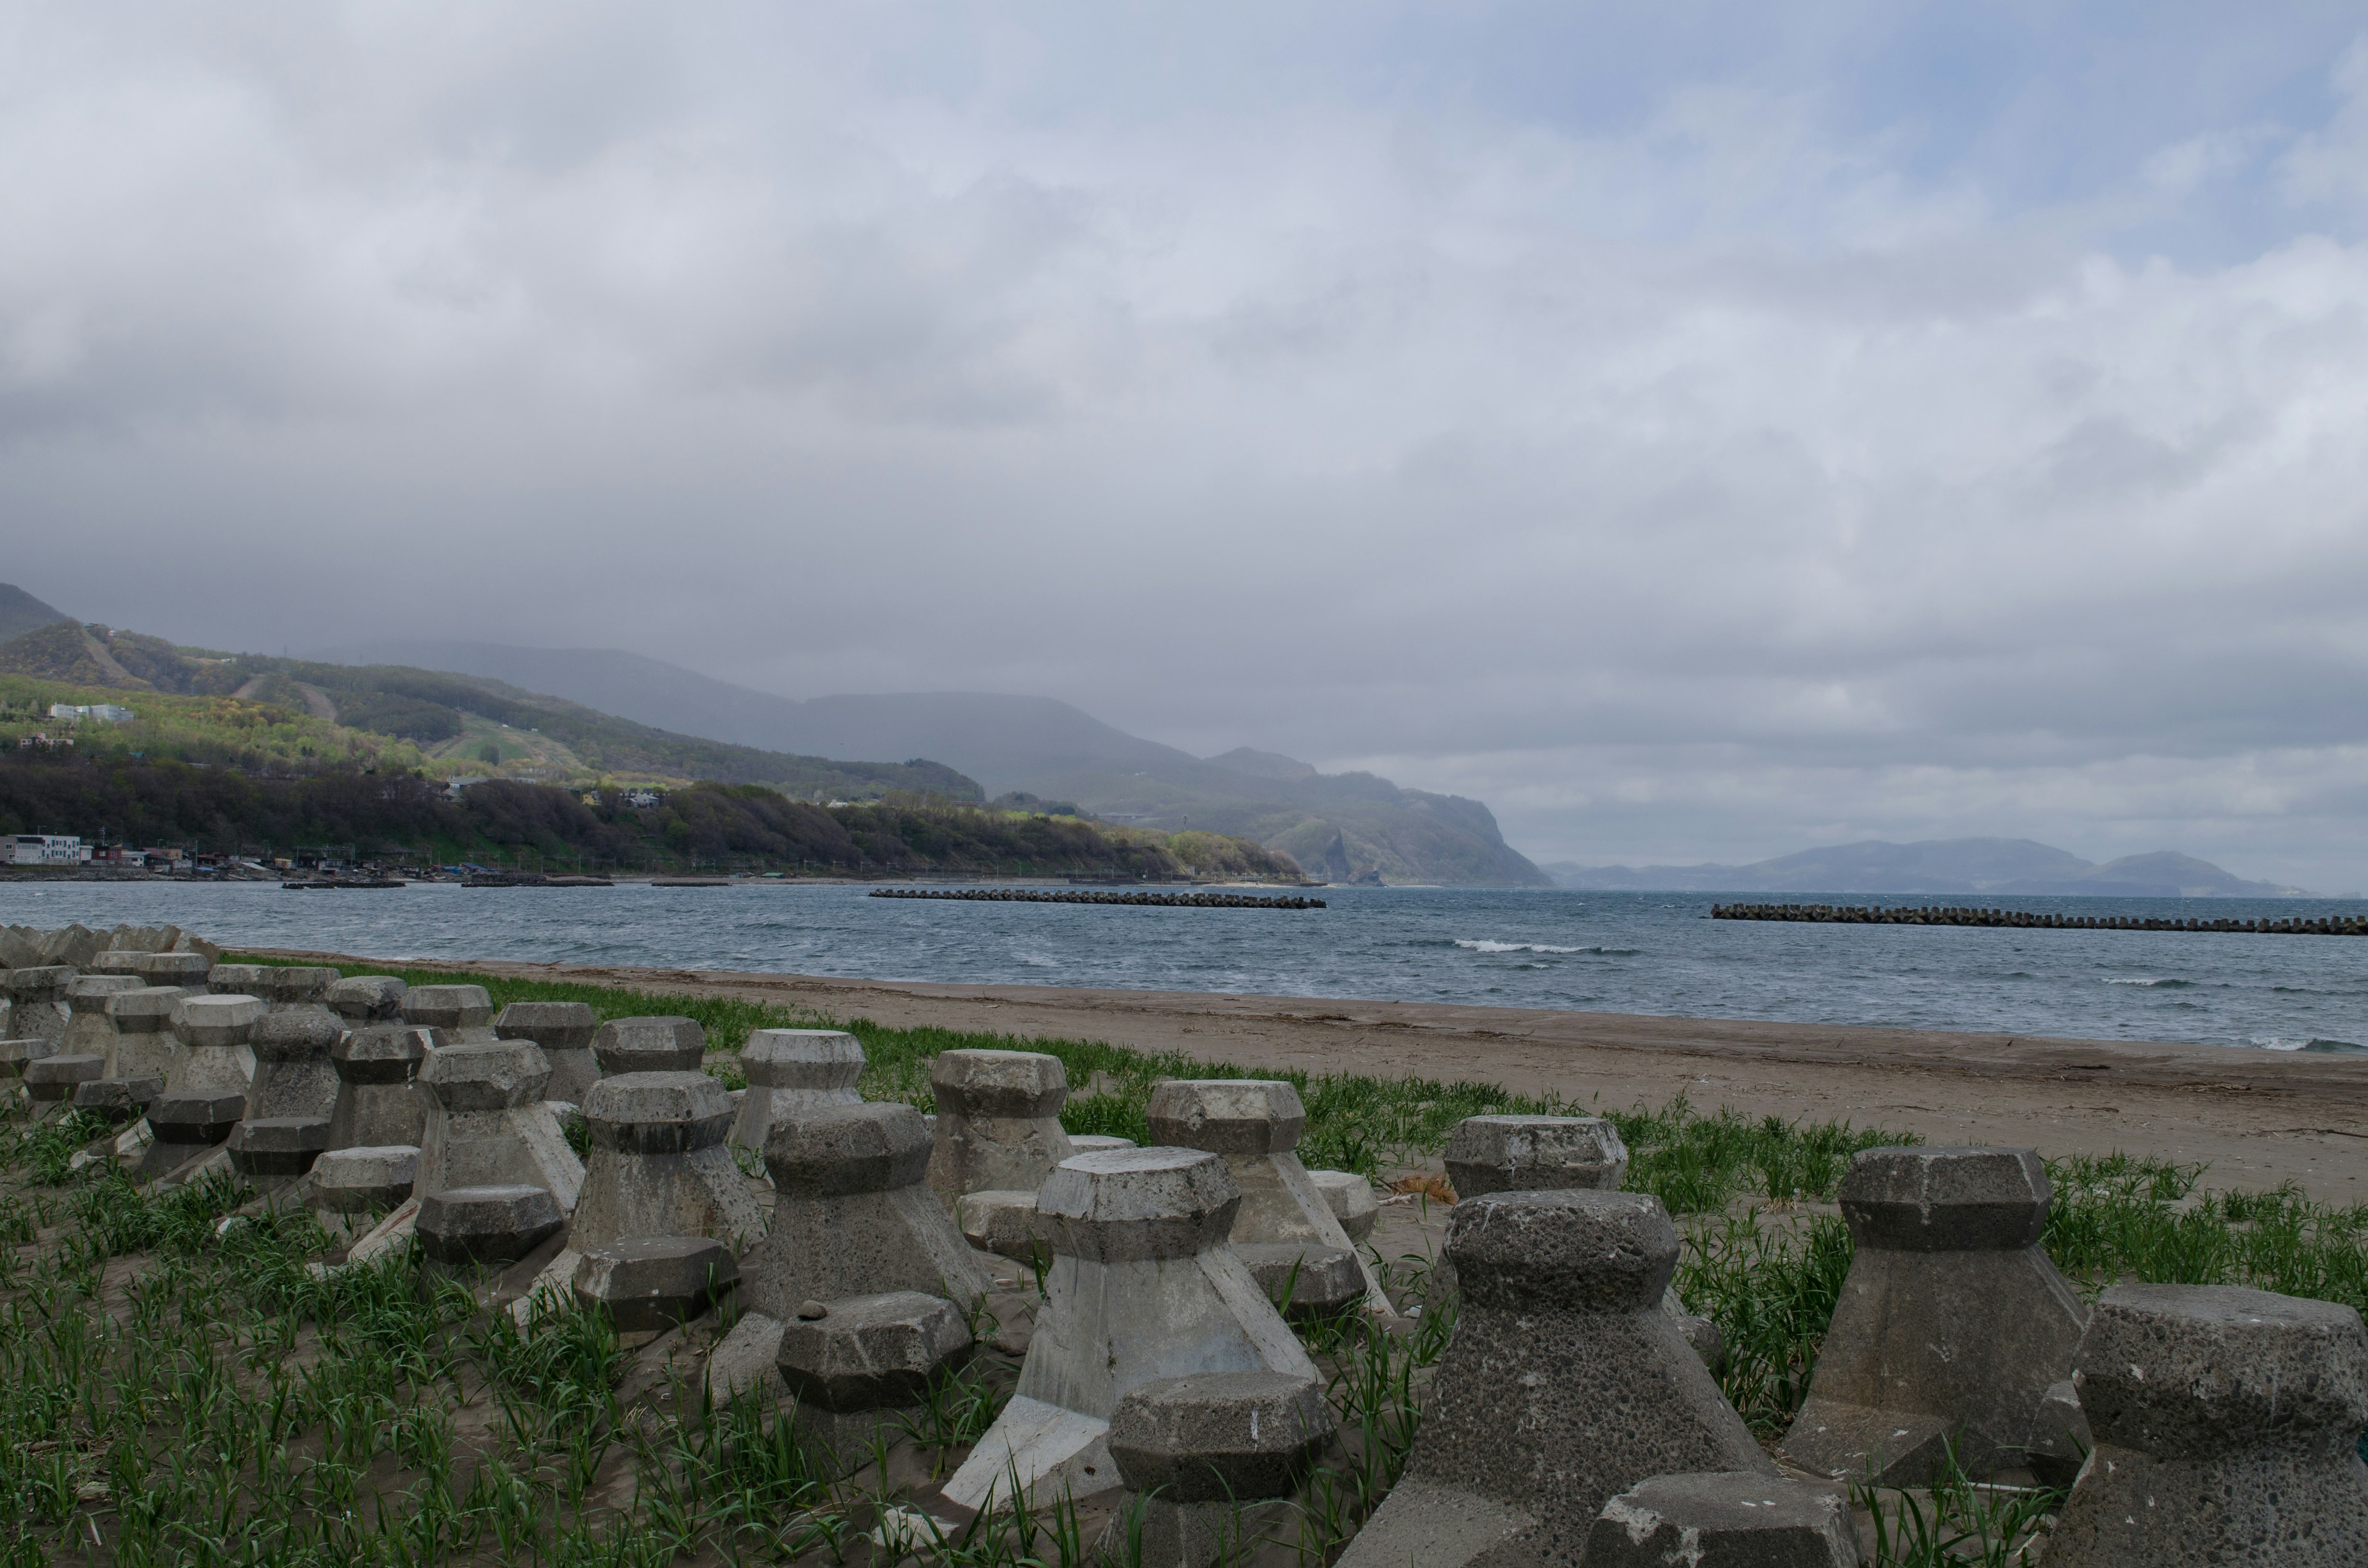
(2155, 984)
(1485, 946)
(2315, 1042)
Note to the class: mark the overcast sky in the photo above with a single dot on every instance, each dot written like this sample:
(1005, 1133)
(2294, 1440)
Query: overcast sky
(1701, 431)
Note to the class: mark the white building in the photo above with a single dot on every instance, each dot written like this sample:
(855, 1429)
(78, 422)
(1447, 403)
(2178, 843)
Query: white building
(105, 712)
(46, 849)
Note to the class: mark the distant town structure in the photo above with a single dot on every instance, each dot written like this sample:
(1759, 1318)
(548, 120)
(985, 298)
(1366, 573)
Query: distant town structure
(46, 849)
(104, 712)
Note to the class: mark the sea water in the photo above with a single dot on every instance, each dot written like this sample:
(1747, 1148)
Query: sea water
(1614, 952)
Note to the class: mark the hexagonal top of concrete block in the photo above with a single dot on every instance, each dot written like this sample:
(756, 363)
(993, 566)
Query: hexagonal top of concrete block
(669, 1044)
(802, 1058)
(14, 1053)
(368, 998)
(494, 1076)
(80, 1067)
(218, 1021)
(281, 1135)
(1131, 1204)
(1573, 1248)
(1227, 1116)
(554, 1026)
(658, 1113)
(370, 1168)
(873, 1147)
(872, 1352)
(448, 1006)
(178, 968)
(2188, 1372)
(1920, 1200)
(999, 1083)
(679, 1269)
(301, 1033)
(486, 1224)
(380, 1053)
(195, 1118)
(1534, 1154)
(116, 960)
(238, 979)
(145, 1010)
(1216, 1437)
(42, 984)
(91, 992)
(288, 985)
(1730, 1515)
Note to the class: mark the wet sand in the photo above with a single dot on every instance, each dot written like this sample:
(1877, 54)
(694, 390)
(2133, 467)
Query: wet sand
(2255, 1117)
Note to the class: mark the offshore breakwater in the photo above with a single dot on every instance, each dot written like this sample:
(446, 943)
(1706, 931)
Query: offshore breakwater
(2022, 920)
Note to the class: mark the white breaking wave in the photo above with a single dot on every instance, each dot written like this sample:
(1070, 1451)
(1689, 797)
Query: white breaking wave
(1485, 946)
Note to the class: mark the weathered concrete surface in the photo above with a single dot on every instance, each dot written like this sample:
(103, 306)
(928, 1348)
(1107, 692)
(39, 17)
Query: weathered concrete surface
(90, 1029)
(279, 1148)
(2226, 1422)
(1143, 1287)
(1534, 1154)
(37, 1008)
(790, 1073)
(289, 985)
(1284, 1229)
(1195, 1451)
(212, 1050)
(852, 1217)
(464, 1012)
(489, 1225)
(1350, 1199)
(1004, 1223)
(364, 999)
(116, 1100)
(999, 1121)
(1951, 1323)
(293, 1073)
(51, 1082)
(184, 1126)
(564, 1031)
(1724, 1519)
(487, 1125)
(381, 1101)
(659, 1166)
(16, 1055)
(1565, 1385)
(744, 1363)
(362, 1180)
(144, 1044)
(189, 973)
(653, 1282)
(664, 1044)
(865, 1363)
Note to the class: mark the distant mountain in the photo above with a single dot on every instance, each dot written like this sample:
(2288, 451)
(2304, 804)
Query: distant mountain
(1993, 865)
(20, 612)
(1348, 826)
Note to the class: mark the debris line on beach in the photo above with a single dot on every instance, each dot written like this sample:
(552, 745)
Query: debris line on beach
(2021, 919)
(1045, 895)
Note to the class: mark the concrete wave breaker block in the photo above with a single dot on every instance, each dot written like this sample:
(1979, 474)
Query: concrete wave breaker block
(488, 1125)
(1097, 1144)
(1951, 1323)
(1284, 1229)
(1195, 1451)
(381, 1101)
(144, 1045)
(90, 1028)
(1004, 1223)
(2226, 1422)
(347, 1186)
(999, 1121)
(1142, 1286)
(116, 960)
(658, 1165)
(37, 1006)
(183, 1127)
(1565, 1385)
(116, 1100)
(564, 1031)
(464, 1012)
(17, 1054)
(865, 1362)
(666, 1044)
(291, 985)
(294, 1074)
(189, 972)
(1724, 1519)
(213, 1049)
(653, 1282)
(488, 1226)
(274, 1151)
(1350, 1199)
(367, 999)
(793, 1073)
(51, 1082)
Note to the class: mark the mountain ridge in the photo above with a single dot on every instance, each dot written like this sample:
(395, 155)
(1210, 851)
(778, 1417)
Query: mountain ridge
(1987, 866)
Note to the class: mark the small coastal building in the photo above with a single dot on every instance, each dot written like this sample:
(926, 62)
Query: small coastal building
(46, 849)
(101, 712)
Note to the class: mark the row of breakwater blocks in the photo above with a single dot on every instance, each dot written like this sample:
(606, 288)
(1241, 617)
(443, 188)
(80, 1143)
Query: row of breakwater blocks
(1159, 900)
(1572, 1420)
(2025, 920)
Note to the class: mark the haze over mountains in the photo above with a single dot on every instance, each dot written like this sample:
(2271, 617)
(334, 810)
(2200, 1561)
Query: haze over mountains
(1990, 866)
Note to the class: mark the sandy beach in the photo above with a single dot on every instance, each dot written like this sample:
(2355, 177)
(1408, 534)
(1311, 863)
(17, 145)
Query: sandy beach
(2255, 1117)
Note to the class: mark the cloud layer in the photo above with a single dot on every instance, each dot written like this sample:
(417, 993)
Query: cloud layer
(1697, 437)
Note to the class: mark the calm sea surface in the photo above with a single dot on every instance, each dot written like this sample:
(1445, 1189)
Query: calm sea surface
(1602, 952)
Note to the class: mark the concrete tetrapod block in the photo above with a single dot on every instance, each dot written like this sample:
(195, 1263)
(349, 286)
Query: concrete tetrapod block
(1951, 1323)
(493, 1224)
(381, 1101)
(865, 1362)
(1007, 1224)
(1534, 1154)
(294, 985)
(999, 1121)
(16, 1055)
(1565, 1385)
(90, 1028)
(1350, 1199)
(183, 1127)
(116, 1100)
(362, 999)
(277, 1150)
(117, 960)
(191, 974)
(1724, 1519)
(144, 1045)
(1284, 1229)
(51, 1082)
(294, 1074)
(1142, 1286)
(348, 1188)
(1195, 1451)
(790, 1073)
(488, 1125)
(2225, 1423)
(213, 1049)
(465, 1012)
(37, 1002)
(668, 1044)
(564, 1031)
(653, 1282)
(659, 1166)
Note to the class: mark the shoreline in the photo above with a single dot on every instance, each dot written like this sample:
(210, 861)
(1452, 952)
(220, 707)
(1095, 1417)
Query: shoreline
(2255, 1117)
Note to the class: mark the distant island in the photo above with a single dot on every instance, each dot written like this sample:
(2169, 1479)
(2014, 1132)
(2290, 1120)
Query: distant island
(1996, 865)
